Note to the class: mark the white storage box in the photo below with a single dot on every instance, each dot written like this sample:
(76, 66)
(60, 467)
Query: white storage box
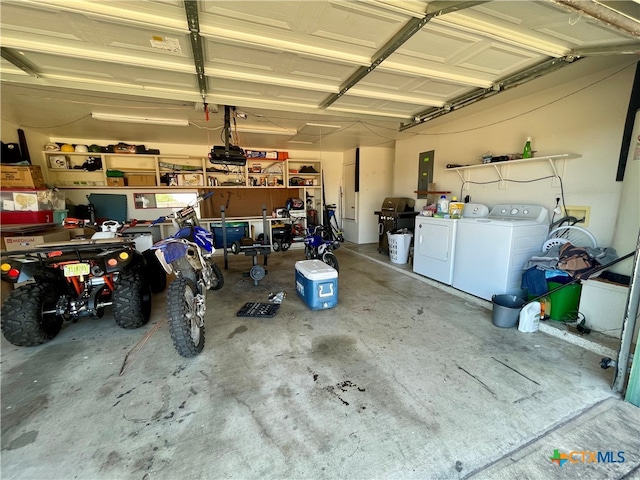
(317, 284)
(603, 306)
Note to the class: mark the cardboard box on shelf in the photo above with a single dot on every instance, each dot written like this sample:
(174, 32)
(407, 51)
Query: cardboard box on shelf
(190, 179)
(13, 176)
(255, 153)
(141, 180)
(277, 155)
(26, 242)
(115, 181)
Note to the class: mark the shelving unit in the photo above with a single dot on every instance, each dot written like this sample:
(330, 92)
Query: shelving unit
(169, 172)
(181, 171)
(501, 167)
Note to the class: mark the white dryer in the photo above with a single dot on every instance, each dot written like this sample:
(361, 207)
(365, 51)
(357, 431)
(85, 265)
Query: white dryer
(491, 251)
(434, 243)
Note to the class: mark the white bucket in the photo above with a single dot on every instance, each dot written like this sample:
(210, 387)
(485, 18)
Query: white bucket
(399, 247)
(529, 317)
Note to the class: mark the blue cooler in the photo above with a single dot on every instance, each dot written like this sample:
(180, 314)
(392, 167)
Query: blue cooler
(317, 284)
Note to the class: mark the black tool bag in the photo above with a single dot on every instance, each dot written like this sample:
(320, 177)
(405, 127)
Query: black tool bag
(11, 153)
(294, 204)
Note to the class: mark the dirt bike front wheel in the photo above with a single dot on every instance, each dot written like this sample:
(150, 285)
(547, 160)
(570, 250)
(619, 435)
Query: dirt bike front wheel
(330, 259)
(185, 326)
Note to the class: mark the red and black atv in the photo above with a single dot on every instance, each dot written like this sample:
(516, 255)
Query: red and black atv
(66, 281)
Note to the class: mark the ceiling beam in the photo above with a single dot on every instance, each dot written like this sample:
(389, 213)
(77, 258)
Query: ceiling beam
(412, 27)
(15, 60)
(604, 14)
(191, 9)
(520, 78)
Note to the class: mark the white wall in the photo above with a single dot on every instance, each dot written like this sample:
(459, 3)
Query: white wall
(376, 183)
(584, 116)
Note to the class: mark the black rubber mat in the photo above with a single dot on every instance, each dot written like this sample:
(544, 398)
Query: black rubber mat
(256, 309)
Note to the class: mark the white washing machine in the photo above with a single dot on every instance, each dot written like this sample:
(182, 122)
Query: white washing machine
(434, 243)
(491, 251)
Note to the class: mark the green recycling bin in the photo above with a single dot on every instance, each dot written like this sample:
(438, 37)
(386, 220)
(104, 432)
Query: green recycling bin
(564, 302)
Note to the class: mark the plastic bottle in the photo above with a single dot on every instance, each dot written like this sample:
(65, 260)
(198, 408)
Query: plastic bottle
(443, 205)
(530, 317)
(455, 208)
(526, 153)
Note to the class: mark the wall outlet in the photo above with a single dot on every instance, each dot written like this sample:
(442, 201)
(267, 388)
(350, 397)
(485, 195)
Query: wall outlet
(579, 213)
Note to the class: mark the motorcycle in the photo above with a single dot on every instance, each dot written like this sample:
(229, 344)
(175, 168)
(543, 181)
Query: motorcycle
(189, 255)
(316, 246)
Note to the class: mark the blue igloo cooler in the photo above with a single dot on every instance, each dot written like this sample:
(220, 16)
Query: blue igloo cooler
(317, 284)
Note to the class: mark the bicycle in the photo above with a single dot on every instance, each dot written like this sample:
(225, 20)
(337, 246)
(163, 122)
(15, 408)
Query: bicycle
(332, 229)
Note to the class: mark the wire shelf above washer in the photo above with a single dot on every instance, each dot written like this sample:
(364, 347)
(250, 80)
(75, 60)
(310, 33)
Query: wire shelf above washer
(500, 166)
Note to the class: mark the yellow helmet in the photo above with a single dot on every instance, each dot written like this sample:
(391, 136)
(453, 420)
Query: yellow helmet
(67, 148)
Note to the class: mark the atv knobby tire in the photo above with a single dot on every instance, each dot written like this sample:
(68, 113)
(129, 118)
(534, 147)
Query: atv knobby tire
(28, 315)
(187, 335)
(132, 299)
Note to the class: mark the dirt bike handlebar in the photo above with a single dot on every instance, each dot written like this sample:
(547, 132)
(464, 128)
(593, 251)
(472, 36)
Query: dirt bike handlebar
(199, 199)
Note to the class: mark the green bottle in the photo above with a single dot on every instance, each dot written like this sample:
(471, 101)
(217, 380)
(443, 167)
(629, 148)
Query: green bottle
(526, 153)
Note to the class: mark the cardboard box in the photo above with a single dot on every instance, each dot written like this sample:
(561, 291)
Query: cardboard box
(255, 153)
(80, 232)
(115, 181)
(190, 179)
(12, 176)
(141, 180)
(26, 242)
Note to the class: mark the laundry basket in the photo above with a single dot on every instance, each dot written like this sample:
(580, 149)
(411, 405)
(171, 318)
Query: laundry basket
(399, 247)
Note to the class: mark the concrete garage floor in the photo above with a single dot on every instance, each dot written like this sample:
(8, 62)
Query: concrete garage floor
(400, 380)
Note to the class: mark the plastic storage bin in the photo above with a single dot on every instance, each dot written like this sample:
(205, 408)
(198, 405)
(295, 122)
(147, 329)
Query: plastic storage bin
(59, 216)
(317, 284)
(236, 231)
(399, 247)
(564, 302)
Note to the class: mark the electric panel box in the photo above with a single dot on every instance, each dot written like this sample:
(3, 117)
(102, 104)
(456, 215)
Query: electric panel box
(317, 284)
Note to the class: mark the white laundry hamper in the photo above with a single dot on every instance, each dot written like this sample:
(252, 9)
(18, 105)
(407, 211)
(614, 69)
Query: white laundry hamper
(399, 247)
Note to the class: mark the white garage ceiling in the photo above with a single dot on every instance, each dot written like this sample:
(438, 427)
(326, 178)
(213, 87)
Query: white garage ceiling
(344, 73)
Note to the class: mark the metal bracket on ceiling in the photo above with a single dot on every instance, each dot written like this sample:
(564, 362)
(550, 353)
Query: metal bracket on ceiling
(15, 59)
(525, 76)
(409, 29)
(191, 9)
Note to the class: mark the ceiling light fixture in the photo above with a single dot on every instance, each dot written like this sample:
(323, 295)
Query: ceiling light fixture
(173, 122)
(267, 131)
(323, 125)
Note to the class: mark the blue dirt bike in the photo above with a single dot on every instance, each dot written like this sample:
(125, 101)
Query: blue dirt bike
(316, 246)
(189, 255)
